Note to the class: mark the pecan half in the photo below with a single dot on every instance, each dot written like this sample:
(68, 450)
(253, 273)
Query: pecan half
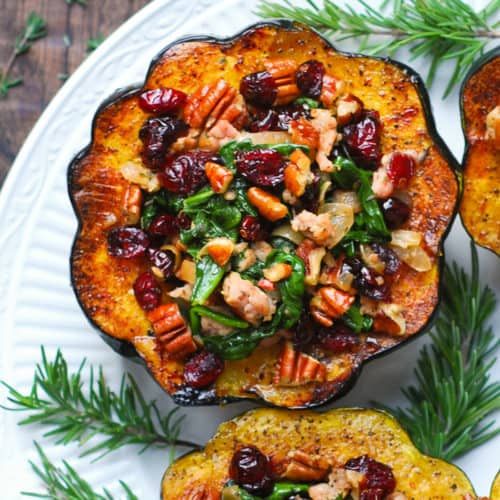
(132, 202)
(171, 331)
(329, 303)
(212, 106)
(298, 368)
(283, 71)
(303, 466)
(201, 492)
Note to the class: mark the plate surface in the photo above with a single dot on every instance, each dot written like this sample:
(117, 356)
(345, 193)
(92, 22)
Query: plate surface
(37, 225)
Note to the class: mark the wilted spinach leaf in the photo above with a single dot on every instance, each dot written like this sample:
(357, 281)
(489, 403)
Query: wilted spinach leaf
(291, 289)
(357, 321)
(208, 276)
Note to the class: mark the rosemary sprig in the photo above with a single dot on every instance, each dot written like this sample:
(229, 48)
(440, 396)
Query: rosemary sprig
(58, 400)
(453, 394)
(64, 483)
(34, 29)
(83, 3)
(439, 29)
(93, 43)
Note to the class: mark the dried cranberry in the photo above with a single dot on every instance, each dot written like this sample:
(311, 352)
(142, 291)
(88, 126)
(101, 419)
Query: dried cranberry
(251, 228)
(401, 169)
(362, 139)
(185, 173)
(127, 242)
(183, 221)
(338, 339)
(165, 101)
(395, 212)
(263, 167)
(147, 291)
(309, 78)
(372, 494)
(388, 257)
(305, 331)
(157, 134)
(252, 470)
(367, 280)
(164, 225)
(377, 476)
(310, 199)
(259, 89)
(203, 369)
(164, 260)
(278, 118)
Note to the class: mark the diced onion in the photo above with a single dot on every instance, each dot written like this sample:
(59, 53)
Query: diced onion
(349, 198)
(314, 265)
(343, 280)
(415, 257)
(269, 137)
(342, 217)
(404, 238)
(395, 313)
(286, 231)
(324, 186)
(371, 259)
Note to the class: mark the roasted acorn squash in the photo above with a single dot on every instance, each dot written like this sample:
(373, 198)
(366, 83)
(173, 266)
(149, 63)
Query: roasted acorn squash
(337, 435)
(103, 283)
(480, 105)
(495, 488)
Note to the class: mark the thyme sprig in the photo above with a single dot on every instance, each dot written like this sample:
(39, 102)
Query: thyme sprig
(34, 29)
(453, 395)
(59, 400)
(63, 483)
(439, 29)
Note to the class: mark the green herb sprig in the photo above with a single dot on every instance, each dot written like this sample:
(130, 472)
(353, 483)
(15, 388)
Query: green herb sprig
(94, 42)
(65, 483)
(439, 29)
(453, 394)
(58, 399)
(34, 29)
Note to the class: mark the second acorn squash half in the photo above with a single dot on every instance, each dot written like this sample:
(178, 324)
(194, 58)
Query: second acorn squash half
(480, 106)
(336, 435)
(103, 284)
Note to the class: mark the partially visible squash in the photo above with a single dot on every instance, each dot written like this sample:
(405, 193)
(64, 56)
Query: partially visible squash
(480, 102)
(341, 434)
(495, 488)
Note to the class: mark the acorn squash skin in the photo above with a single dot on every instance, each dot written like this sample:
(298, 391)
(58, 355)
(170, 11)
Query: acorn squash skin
(340, 434)
(480, 205)
(102, 283)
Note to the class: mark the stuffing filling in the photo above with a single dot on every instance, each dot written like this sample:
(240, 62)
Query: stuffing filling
(305, 475)
(260, 209)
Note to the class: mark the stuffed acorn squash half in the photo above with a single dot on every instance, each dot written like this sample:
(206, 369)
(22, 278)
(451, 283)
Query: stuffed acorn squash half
(262, 217)
(480, 101)
(341, 454)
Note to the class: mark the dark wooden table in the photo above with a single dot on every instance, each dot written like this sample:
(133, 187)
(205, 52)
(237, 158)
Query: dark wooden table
(48, 59)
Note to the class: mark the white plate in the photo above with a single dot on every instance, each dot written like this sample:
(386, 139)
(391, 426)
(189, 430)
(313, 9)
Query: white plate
(37, 305)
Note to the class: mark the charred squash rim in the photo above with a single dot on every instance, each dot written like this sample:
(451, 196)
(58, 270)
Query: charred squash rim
(194, 397)
(476, 67)
(228, 437)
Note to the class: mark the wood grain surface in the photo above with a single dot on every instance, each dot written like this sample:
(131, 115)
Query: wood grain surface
(60, 53)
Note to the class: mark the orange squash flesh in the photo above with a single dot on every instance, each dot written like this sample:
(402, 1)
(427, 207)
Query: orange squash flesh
(103, 284)
(480, 206)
